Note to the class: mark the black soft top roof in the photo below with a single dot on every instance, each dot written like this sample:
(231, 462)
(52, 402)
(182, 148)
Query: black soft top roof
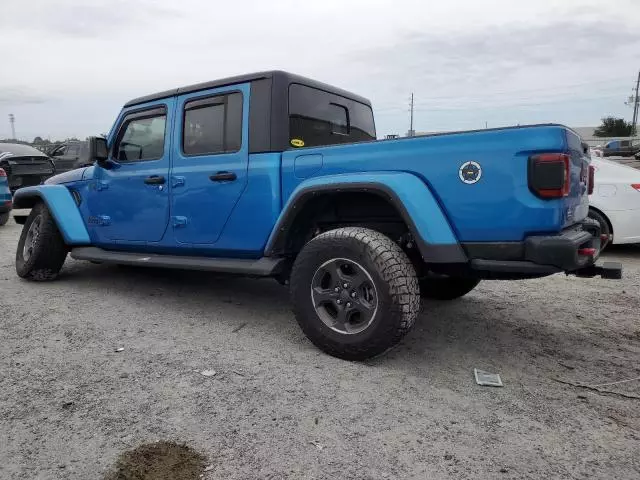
(282, 77)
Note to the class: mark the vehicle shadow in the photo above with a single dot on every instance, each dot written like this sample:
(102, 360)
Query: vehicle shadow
(485, 330)
(630, 251)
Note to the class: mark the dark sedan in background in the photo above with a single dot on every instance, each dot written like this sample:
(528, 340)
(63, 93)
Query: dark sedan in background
(24, 165)
(70, 155)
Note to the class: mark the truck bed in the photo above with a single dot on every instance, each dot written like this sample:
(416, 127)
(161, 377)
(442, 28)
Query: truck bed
(498, 207)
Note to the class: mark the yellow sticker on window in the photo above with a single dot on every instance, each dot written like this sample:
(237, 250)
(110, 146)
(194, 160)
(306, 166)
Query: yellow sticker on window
(297, 142)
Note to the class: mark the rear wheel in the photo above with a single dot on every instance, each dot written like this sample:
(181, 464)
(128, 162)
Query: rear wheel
(4, 218)
(41, 248)
(446, 288)
(605, 229)
(354, 292)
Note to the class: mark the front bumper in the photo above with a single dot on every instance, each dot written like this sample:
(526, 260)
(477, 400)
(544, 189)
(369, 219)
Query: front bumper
(573, 251)
(5, 206)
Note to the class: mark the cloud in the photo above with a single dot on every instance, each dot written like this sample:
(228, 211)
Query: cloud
(467, 61)
(93, 18)
(15, 96)
(500, 55)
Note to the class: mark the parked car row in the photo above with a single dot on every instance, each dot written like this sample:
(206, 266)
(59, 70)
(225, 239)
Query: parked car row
(26, 166)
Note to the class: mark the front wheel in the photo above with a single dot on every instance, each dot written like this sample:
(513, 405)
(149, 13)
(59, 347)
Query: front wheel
(41, 248)
(446, 288)
(4, 218)
(355, 293)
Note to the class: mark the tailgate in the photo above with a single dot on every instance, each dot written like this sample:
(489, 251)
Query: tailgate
(576, 204)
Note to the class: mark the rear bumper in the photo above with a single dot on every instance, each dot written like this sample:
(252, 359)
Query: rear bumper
(573, 251)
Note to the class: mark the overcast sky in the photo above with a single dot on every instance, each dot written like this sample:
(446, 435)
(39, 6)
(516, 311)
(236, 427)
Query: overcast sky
(67, 66)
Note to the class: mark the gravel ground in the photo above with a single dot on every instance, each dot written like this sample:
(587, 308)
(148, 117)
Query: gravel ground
(278, 408)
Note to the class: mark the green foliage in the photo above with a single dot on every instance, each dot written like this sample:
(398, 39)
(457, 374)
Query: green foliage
(614, 127)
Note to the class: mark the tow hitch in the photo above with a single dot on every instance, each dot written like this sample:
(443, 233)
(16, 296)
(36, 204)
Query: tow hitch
(608, 270)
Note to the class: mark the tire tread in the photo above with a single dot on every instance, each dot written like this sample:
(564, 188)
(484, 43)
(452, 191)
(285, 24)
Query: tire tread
(397, 272)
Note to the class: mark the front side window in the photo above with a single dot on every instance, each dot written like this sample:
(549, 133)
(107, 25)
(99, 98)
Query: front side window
(213, 125)
(141, 138)
(319, 118)
(59, 151)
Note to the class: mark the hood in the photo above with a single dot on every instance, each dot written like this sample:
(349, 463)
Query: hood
(67, 177)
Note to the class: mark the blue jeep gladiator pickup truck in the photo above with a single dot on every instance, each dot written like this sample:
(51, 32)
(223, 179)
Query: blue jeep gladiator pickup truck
(276, 175)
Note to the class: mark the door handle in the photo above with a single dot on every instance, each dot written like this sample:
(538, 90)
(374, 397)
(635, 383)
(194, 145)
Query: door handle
(154, 180)
(223, 177)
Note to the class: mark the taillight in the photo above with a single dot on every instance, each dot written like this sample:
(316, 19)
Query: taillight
(550, 175)
(592, 179)
(633, 185)
(2, 173)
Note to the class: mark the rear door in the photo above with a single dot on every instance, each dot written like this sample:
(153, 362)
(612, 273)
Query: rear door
(130, 203)
(209, 170)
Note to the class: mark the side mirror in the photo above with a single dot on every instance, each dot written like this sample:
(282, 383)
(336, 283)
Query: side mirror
(98, 150)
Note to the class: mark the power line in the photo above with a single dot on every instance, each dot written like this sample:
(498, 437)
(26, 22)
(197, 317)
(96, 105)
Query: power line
(481, 105)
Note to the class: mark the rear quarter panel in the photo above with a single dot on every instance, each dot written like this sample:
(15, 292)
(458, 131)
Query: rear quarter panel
(499, 207)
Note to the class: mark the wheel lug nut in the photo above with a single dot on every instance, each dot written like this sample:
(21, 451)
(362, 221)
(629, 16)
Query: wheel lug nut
(339, 302)
(337, 289)
(345, 285)
(353, 294)
(348, 304)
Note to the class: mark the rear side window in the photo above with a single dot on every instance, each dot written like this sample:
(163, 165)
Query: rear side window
(141, 137)
(213, 125)
(318, 118)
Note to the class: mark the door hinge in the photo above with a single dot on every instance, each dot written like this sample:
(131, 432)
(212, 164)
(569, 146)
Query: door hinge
(178, 222)
(100, 185)
(177, 181)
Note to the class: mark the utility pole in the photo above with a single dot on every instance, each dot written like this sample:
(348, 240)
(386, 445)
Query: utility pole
(636, 104)
(411, 131)
(12, 121)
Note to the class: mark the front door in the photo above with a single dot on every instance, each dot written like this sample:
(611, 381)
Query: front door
(64, 157)
(130, 203)
(209, 170)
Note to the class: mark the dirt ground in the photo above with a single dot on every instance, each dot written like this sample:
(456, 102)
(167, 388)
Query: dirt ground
(274, 407)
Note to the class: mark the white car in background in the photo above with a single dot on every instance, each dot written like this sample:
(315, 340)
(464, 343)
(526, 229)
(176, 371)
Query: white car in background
(615, 202)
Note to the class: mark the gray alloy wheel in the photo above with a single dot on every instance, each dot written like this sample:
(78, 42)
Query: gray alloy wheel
(344, 296)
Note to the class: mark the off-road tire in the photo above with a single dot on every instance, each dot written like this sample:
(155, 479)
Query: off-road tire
(394, 278)
(4, 218)
(49, 250)
(446, 288)
(605, 229)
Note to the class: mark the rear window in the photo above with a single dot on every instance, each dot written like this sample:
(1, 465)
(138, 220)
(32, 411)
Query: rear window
(318, 118)
(213, 125)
